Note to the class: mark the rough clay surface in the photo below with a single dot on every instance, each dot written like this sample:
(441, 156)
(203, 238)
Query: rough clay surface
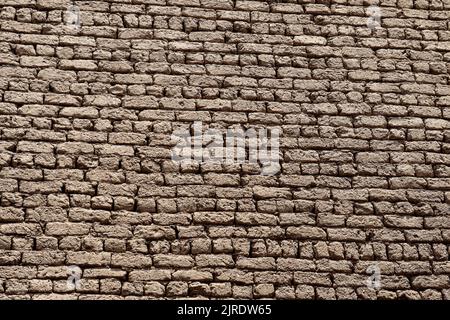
(86, 177)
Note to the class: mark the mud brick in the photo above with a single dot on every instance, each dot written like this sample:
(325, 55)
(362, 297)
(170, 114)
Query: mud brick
(44, 187)
(21, 229)
(366, 221)
(10, 214)
(18, 272)
(259, 218)
(46, 214)
(216, 218)
(150, 275)
(129, 260)
(84, 136)
(388, 235)
(312, 278)
(67, 228)
(423, 235)
(192, 275)
(346, 235)
(154, 232)
(80, 215)
(173, 261)
(256, 263)
(86, 124)
(8, 185)
(354, 194)
(437, 282)
(23, 97)
(403, 221)
(43, 258)
(387, 195)
(89, 258)
(305, 232)
(290, 264)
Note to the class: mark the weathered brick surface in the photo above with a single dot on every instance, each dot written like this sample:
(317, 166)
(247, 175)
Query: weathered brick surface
(86, 177)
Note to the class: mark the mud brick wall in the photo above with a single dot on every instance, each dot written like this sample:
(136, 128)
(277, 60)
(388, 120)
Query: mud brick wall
(86, 178)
